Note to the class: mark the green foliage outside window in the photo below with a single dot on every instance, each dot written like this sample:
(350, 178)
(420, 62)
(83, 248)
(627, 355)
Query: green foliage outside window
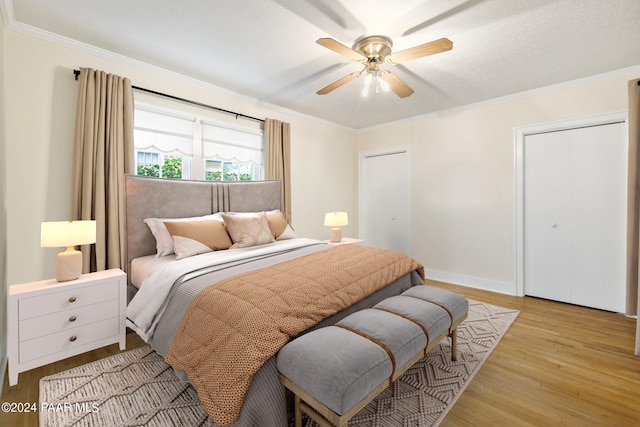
(213, 176)
(230, 174)
(153, 170)
(172, 168)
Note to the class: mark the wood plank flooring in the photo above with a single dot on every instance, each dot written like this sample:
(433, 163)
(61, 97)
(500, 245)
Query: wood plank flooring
(558, 365)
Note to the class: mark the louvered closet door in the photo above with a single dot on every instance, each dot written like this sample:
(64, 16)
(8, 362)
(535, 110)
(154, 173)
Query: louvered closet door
(575, 216)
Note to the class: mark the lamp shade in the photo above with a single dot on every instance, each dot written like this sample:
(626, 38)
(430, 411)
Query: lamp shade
(335, 219)
(55, 234)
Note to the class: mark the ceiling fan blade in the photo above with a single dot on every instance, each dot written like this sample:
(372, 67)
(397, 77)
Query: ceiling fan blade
(341, 49)
(431, 48)
(335, 85)
(398, 86)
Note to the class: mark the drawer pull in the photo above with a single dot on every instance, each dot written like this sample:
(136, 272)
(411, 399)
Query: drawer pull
(72, 338)
(72, 319)
(72, 299)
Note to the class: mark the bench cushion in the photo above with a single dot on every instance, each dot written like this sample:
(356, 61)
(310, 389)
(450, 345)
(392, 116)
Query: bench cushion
(403, 338)
(433, 317)
(456, 304)
(322, 363)
(341, 365)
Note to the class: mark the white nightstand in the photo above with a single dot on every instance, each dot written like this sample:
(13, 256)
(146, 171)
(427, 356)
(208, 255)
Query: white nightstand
(50, 320)
(346, 241)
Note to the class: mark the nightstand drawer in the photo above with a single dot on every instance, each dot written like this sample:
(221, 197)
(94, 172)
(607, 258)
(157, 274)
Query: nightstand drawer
(66, 299)
(64, 320)
(67, 340)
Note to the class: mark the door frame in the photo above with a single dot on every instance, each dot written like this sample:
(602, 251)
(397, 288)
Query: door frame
(385, 151)
(520, 133)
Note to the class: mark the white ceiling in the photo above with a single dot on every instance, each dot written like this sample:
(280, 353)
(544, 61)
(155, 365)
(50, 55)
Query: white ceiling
(266, 49)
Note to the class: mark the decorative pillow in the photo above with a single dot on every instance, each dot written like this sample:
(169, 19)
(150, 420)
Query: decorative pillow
(164, 241)
(279, 227)
(198, 237)
(287, 234)
(248, 230)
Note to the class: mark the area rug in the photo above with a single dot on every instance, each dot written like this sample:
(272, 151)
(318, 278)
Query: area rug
(137, 388)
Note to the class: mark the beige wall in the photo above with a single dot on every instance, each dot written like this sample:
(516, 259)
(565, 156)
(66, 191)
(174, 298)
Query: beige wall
(463, 160)
(3, 219)
(41, 91)
(463, 176)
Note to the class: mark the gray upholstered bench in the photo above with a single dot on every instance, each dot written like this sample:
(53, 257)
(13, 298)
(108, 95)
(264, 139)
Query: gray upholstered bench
(336, 370)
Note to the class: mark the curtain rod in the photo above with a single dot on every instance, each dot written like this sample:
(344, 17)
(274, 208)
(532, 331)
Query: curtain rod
(199, 104)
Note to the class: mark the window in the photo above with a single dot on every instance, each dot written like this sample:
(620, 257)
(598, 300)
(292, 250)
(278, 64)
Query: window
(216, 170)
(232, 153)
(147, 163)
(173, 144)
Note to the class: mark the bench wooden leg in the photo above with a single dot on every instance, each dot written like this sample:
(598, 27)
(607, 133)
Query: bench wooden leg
(297, 411)
(454, 344)
(320, 419)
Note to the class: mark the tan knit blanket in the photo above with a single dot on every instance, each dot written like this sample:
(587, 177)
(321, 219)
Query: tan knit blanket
(233, 327)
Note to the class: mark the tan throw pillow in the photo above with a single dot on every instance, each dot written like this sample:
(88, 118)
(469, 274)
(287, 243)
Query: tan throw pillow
(248, 230)
(277, 223)
(198, 237)
(279, 227)
(164, 241)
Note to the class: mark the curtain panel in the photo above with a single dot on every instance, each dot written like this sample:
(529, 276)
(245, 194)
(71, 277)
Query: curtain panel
(103, 154)
(277, 136)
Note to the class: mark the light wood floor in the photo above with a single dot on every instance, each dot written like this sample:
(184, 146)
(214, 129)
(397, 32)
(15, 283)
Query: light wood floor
(557, 365)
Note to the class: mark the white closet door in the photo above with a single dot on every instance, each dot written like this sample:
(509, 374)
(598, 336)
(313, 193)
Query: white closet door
(385, 199)
(547, 217)
(599, 203)
(575, 216)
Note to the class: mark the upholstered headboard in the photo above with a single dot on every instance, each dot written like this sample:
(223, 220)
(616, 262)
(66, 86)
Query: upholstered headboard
(147, 197)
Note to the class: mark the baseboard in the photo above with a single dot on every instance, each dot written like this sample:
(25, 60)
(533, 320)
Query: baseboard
(471, 281)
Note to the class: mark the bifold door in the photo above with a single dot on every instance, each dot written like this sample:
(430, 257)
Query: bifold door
(575, 216)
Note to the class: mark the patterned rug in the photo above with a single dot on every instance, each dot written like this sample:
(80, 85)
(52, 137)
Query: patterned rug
(137, 388)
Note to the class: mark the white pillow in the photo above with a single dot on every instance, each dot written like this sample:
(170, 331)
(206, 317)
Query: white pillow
(287, 234)
(164, 241)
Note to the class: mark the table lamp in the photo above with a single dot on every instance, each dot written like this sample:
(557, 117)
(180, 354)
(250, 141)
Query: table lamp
(335, 220)
(67, 234)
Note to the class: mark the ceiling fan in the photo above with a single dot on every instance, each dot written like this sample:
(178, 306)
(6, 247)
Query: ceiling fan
(373, 51)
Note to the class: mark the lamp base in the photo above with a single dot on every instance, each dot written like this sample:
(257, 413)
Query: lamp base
(68, 265)
(336, 235)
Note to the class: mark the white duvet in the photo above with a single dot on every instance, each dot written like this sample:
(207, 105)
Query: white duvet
(148, 301)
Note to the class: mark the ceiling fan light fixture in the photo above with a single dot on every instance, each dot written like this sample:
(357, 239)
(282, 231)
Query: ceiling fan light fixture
(372, 51)
(368, 79)
(383, 85)
(365, 91)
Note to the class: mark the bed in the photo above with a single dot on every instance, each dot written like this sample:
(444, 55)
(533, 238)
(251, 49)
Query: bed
(163, 289)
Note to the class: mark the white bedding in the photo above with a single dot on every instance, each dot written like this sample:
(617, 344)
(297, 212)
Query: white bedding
(161, 276)
(143, 266)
